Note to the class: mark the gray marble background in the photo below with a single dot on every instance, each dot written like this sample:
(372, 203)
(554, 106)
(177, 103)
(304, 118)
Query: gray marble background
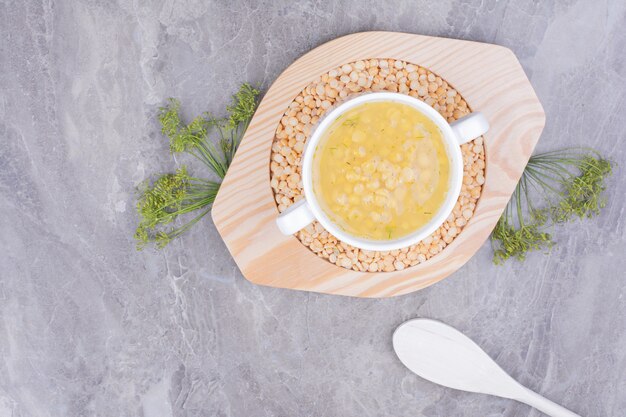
(91, 327)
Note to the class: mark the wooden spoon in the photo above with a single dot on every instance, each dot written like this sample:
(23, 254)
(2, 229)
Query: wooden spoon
(445, 356)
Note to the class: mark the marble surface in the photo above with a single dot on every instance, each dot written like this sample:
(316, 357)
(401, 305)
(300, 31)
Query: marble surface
(91, 327)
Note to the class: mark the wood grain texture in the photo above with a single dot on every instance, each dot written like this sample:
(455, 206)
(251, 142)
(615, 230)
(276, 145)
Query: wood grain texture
(490, 79)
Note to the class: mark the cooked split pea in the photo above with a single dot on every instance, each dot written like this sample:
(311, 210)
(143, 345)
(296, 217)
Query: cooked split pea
(381, 170)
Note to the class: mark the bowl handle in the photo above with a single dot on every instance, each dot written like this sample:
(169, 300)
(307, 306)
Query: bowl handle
(470, 127)
(296, 217)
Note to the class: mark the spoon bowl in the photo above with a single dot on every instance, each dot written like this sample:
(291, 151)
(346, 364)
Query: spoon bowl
(443, 355)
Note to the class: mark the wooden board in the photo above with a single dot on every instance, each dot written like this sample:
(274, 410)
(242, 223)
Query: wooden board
(490, 79)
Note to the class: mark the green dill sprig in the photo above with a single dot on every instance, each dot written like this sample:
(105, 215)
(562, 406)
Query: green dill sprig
(177, 194)
(194, 137)
(568, 183)
(170, 196)
(243, 106)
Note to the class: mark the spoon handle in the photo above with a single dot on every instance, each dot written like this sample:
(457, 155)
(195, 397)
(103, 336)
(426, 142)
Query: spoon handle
(544, 405)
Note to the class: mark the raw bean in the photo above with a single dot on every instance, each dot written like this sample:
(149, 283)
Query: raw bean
(346, 263)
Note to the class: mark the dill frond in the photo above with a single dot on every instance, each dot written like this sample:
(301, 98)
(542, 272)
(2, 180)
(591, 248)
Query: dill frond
(175, 195)
(243, 106)
(568, 184)
(171, 196)
(584, 192)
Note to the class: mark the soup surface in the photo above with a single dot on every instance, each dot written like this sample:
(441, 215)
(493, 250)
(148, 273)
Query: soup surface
(381, 170)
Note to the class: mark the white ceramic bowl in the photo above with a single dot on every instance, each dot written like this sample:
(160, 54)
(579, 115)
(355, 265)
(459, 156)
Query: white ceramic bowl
(302, 213)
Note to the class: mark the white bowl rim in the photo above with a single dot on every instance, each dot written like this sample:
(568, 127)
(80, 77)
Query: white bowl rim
(453, 150)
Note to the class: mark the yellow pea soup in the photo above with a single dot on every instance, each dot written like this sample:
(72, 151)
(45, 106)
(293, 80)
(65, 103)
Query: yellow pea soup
(381, 170)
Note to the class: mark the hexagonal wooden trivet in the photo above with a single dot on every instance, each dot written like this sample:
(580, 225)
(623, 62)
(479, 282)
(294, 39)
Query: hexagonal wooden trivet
(490, 79)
